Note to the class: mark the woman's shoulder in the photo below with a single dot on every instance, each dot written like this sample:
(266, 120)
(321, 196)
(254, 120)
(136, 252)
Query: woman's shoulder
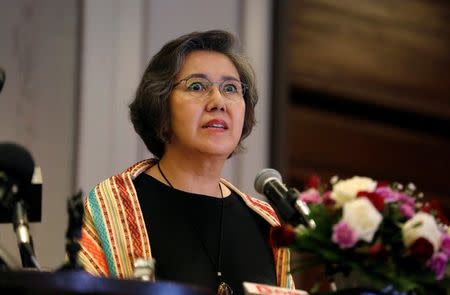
(120, 182)
(261, 205)
(263, 208)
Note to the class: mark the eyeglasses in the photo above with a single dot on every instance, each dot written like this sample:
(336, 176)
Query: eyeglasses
(199, 88)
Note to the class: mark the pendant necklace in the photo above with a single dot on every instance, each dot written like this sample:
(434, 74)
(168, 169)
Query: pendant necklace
(223, 288)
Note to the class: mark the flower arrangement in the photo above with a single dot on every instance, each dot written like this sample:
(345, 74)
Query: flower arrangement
(384, 232)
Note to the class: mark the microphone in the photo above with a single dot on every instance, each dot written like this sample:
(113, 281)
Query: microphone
(20, 179)
(291, 210)
(2, 78)
(17, 171)
(16, 162)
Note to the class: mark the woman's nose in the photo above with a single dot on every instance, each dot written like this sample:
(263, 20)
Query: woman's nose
(215, 100)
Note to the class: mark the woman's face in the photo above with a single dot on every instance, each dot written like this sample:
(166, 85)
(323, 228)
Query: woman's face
(203, 118)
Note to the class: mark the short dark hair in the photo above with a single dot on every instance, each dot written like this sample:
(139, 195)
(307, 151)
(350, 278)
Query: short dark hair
(149, 111)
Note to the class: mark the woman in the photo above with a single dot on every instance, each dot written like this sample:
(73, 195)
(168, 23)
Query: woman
(194, 106)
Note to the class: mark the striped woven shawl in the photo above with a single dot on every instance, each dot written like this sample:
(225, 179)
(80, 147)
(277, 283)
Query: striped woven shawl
(114, 234)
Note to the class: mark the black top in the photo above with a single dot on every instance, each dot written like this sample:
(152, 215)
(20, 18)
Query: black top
(184, 230)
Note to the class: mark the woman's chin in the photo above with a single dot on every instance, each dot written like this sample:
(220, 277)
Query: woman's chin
(217, 150)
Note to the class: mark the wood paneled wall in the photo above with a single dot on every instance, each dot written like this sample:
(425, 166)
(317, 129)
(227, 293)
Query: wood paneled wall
(391, 53)
(368, 91)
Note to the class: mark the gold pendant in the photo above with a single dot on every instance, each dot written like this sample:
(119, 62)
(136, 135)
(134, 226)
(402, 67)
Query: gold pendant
(224, 289)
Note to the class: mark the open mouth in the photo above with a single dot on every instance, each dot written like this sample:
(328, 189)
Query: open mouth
(216, 124)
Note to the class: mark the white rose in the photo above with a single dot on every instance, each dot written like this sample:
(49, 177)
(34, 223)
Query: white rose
(421, 225)
(346, 190)
(362, 217)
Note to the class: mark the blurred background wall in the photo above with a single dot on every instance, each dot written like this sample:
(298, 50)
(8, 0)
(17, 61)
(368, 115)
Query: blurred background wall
(39, 51)
(365, 90)
(346, 87)
(72, 68)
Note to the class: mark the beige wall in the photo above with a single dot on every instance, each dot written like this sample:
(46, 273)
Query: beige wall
(38, 50)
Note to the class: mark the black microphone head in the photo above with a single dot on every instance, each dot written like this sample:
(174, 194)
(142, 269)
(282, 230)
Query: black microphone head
(263, 177)
(2, 78)
(16, 162)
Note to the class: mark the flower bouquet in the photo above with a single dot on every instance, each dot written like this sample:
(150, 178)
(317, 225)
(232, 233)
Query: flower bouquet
(383, 232)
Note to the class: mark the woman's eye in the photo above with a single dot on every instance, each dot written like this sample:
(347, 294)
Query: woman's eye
(230, 88)
(196, 86)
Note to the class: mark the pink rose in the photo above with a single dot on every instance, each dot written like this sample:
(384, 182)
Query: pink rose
(344, 235)
(406, 210)
(437, 264)
(405, 199)
(310, 196)
(388, 194)
(445, 244)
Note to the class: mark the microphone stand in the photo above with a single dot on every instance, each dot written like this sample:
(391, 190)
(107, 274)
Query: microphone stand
(9, 199)
(24, 239)
(73, 235)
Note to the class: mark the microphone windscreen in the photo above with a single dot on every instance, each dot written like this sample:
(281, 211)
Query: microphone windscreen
(263, 176)
(16, 162)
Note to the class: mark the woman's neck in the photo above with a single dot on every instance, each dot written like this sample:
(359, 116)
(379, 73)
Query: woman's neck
(195, 174)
